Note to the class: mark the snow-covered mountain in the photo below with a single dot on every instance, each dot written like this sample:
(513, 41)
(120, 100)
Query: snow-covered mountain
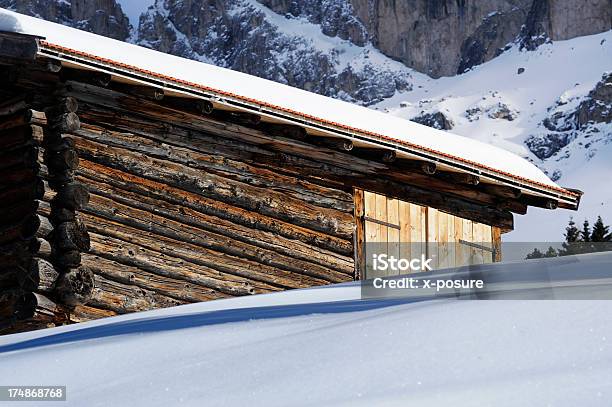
(532, 76)
(552, 105)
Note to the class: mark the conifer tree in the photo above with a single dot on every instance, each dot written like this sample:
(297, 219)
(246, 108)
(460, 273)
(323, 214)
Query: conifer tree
(601, 232)
(585, 234)
(551, 252)
(572, 235)
(535, 254)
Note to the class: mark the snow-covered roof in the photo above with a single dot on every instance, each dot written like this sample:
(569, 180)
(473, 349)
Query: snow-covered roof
(285, 103)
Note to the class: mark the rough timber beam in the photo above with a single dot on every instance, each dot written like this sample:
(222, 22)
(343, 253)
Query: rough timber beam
(102, 79)
(335, 143)
(18, 46)
(425, 167)
(384, 155)
(197, 106)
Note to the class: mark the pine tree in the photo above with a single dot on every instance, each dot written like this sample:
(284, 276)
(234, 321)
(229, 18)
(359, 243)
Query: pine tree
(572, 235)
(551, 252)
(601, 237)
(601, 232)
(585, 234)
(535, 254)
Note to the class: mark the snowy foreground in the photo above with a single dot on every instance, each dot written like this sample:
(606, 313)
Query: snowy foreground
(325, 346)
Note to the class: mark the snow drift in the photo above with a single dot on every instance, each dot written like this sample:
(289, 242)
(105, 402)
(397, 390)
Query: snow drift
(326, 346)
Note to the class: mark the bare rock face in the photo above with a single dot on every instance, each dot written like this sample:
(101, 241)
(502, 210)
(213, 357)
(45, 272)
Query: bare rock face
(545, 146)
(442, 37)
(490, 38)
(239, 35)
(559, 20)
(588, 122)
(446, 37)
(103, 17)
(571, 18)
(597, 108)
(437, 120)
(336, 18)
(55, 11)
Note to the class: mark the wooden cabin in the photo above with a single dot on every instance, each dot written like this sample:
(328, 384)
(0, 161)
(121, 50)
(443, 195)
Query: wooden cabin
(132, 180)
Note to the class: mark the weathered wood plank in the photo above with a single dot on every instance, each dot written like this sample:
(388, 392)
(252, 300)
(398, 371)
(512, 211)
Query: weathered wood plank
(404, 232)
(262, 200)
(158, 225)
(393, 235)
(102, 79)
(237, 232)
(18, 46)
(15, 304)
(75, 286)
(124, 298)
(23, 118)
(24, 157)
(173, 267)
(22, 194)
(166, 196)
(200, 256)
(83, 313)
(73, 196)
(180, 290)
(25, 228)
(19, 136)
(125, 105)
(433, 237)
(15, 177)
(239, 171)
(71, 236)
(497, 243)
(359, 239)
(444, 202)
(211, 144)
(62, 106)
(40, 276)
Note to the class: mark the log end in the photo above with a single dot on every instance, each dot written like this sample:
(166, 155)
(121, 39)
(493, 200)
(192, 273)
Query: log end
(75, 286)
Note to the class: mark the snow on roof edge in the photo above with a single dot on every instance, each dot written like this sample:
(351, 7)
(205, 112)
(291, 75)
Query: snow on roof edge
(378, 125)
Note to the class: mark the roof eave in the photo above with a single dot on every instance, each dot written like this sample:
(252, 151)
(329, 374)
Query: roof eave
(565, 197)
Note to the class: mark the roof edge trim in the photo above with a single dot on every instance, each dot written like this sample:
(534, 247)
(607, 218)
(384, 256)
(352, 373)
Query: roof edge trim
(55, 51)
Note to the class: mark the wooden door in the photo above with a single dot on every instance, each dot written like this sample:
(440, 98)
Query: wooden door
(393, 227)
(455, 241)
(407, 230)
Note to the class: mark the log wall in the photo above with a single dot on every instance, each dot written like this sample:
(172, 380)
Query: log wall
(129, 199)
(41, 234)
(178, 215)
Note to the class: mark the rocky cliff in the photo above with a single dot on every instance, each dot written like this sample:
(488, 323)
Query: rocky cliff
(299, 49)
(103, 17)
(445, 37)
(341, 48)
(584, 120)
